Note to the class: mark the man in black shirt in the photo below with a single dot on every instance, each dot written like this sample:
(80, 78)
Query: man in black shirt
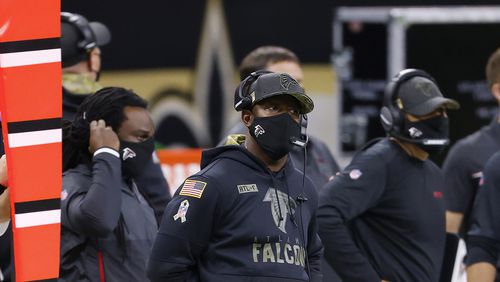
(463, 166)
(383, 216)
(483, 240)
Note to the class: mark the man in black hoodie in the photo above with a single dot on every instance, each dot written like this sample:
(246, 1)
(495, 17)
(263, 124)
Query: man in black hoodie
(248, 214)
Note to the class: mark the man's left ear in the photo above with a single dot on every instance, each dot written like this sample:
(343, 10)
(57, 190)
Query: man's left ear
(247, 117)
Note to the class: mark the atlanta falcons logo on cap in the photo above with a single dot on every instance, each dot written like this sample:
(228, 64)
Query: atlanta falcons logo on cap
(128, 154)
(286, 81)
(259, 130)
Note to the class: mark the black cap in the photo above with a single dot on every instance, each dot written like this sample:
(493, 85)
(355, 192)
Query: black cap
(273, 84)
(78, 37)
(420, 96)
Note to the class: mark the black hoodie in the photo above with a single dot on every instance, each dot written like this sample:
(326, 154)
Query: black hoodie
(235, 220)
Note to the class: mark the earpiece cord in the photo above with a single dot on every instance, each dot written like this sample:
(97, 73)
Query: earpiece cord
(301, 199)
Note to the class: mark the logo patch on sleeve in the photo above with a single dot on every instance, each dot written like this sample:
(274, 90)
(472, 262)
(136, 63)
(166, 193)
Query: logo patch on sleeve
(181, 212)
(247, 188)
(193, 188)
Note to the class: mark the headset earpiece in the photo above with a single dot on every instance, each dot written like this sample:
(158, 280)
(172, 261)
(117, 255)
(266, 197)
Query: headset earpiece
(303, 139)
(243, 99)
(89, 41)
(386, 119)
(391, 116)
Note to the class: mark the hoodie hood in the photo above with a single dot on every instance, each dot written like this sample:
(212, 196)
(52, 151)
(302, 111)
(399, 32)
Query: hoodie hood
(234, 152)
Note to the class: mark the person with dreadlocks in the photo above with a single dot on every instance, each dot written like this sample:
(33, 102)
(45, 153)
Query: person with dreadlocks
(108, 225)
(81, 42)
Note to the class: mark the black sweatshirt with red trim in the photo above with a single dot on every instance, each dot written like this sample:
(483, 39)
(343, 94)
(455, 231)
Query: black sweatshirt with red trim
(383, 217)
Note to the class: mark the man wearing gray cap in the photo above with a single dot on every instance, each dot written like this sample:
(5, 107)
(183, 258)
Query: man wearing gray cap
(248, 215)
(81, 59)
(383, 217)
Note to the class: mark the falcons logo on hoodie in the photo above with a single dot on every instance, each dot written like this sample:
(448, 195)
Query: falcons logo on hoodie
(281, 206)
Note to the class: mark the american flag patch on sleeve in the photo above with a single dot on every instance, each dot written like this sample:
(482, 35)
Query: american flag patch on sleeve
(193, 188)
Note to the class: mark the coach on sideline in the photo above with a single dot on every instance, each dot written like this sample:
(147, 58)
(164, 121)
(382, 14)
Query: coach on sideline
(383, 217)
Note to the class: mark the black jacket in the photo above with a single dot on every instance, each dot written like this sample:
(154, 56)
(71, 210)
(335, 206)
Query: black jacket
(151, 181)
(383, 217)
(463, 169)
(242, 223)
(102, 216)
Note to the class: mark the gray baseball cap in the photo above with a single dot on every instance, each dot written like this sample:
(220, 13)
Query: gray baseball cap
(273, 84)
(420, 96)
(78, 36)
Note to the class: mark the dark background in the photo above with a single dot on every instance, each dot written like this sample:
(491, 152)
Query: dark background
(148, 34)
(166, 34)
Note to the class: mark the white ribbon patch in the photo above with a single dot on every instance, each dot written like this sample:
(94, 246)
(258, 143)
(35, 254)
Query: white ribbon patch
(181, 212)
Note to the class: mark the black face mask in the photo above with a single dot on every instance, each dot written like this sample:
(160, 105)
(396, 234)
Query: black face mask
(135, 155)
(275, 134)
(431, 134)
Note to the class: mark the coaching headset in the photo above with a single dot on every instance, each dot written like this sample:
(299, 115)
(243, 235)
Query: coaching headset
(391, 115)
(82, 25)
(244, 100)
(79, 37)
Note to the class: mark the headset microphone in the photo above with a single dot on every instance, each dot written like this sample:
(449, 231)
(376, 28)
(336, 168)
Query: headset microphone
(437, 142)
(304, 139)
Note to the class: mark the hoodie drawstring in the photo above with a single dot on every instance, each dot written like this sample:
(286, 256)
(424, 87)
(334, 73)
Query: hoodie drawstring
(277, 198)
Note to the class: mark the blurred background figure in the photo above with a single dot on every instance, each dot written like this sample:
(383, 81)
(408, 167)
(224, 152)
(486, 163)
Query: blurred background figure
(81, 60)
(463, 166)
(483, 238)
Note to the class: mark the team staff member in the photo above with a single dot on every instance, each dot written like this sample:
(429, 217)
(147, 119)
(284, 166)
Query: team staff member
(483, 240)
(81, 60)
(464, 163)
(107, 225)
(463, 166)
(383, 216)
(320, 164)
(248, 215)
